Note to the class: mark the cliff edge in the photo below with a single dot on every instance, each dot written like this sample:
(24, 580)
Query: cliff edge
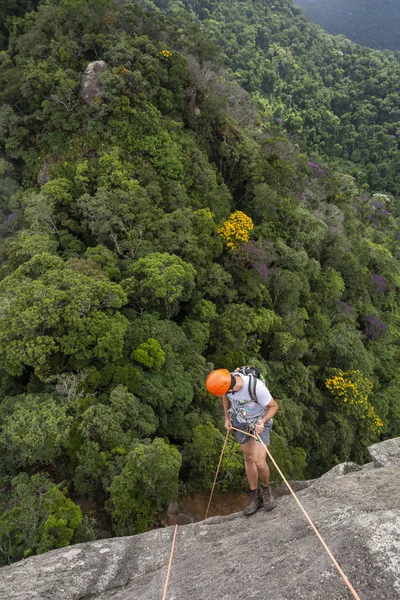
(269, 555)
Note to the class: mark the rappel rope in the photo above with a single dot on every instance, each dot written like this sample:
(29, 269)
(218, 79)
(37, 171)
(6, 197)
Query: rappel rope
(216, 473)
(209, 502)
(317, 533)
(319, 536)
(170, 563)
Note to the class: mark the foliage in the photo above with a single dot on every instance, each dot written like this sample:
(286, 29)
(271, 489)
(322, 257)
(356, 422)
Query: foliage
(202, 454)
(368, 23)
(236, 230)
(34, 429)
(161, 280)
(147, 483)
(336, 97)
(229, 197)
(36, 517)
(350, 390)
(48, 310)
(149, 354)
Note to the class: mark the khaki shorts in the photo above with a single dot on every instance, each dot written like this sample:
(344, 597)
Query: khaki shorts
(243, 438)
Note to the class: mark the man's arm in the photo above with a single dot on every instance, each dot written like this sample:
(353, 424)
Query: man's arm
(226, 404)
(271, 411)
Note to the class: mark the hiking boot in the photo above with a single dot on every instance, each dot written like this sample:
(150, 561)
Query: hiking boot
(268, 499)
(253, 504)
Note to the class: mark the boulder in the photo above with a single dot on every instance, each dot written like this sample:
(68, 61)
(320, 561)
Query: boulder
(269, 555)
(173, 508)
(90, 86)
(296, 485)
(180, 519)
(342, 469)
(386, 453)
(43, 175)
(184, 519)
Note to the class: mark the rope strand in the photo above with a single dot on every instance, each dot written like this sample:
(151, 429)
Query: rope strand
(216, 474)
(319, 536)
(170, 563)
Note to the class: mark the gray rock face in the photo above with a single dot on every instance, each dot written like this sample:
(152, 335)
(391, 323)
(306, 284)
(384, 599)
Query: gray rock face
(269, 555)
(343, 469)
(173, 508)
(90, 87)
(43, 175)
(386, 453)
(297, 485)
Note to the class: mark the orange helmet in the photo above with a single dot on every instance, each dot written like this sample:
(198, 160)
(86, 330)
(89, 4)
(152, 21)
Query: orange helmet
(218, 382)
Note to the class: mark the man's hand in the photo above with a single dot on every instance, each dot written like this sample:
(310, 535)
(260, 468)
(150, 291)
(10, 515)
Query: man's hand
(259, 428)
(228, 423)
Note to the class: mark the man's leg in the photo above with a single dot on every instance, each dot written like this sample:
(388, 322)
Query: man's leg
(252, 477)
(260, 460)
(250, 464)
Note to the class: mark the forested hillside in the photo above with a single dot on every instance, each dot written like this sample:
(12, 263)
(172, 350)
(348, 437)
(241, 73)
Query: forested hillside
(373, 23)
(338, 98)
(176, 222)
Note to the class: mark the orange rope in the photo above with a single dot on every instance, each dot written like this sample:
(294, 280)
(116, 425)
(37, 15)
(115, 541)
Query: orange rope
(319, 536)
(170, 563)
(216, 474)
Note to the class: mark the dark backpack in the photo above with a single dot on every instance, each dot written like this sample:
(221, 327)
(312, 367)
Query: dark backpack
(254, 375)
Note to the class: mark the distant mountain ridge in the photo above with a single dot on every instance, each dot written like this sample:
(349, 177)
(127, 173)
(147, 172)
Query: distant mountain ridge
(373, 23)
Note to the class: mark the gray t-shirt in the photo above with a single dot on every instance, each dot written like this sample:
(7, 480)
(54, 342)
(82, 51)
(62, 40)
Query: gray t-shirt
(241, 402)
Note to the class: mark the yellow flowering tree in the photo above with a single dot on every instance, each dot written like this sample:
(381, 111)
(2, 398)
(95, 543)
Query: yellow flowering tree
(236, 230)
(165, 55)
(350, 391)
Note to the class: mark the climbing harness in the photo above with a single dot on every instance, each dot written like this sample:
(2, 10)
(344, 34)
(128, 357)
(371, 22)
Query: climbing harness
(319, 536)
(236, 413)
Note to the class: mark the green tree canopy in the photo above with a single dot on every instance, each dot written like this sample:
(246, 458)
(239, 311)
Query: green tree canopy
(47, 311)
(35, 518)
(161, 281)
(148, 482)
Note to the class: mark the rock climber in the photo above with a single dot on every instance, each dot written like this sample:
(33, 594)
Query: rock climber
(248, 412)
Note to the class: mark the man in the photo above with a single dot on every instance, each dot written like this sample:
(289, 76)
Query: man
(241, 412)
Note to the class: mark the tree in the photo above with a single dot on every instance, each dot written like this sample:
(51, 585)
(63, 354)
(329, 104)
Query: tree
(235, 231)
(150, 354)
(35, 518)
(201, 454)
(241, 328)
(350, 391)
(34, 429)
(41, 208)
(147, 483)
(160, 281)
(118, 218)
(107, 433)
(48, 311)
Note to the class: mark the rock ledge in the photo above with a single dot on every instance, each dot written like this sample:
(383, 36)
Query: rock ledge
(274, 555)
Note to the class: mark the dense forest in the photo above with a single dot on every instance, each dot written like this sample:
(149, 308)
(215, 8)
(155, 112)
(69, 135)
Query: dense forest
(228, 196)
(373, 23)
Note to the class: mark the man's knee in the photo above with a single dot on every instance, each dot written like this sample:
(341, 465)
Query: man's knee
(249, 459)
(261, 464)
